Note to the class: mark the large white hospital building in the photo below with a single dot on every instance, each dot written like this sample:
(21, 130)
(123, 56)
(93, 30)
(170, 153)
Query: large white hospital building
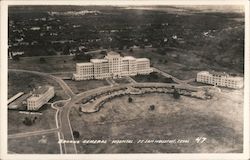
(113, 65)
(220, 79)
(39, 97)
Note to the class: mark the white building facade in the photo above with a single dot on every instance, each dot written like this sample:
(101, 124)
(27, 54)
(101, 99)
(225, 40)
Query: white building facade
(39, 97)
(113, 65)
(220, 79)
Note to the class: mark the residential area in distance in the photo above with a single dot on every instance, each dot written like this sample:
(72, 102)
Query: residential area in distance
(125, 79)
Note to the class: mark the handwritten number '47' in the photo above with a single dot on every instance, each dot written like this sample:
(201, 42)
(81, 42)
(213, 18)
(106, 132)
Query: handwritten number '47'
(200, 139)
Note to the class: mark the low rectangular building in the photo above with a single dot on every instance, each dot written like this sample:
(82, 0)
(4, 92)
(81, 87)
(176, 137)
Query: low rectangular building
(220, 79)
(40, 97)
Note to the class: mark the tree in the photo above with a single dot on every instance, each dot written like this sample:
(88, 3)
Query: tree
(151, 107)
(130, 99)
(42, 60)
(34, 119)
(103, 52)
(27, 121)
(176, 94)
(66, 50)
(76, 134)
(83, 57)
(16, 58)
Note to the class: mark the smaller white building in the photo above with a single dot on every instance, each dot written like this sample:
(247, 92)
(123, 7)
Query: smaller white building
(39, 97)
(220, 79)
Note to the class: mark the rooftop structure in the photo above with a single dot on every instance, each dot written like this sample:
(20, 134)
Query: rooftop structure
(112, 53)
(113, 65)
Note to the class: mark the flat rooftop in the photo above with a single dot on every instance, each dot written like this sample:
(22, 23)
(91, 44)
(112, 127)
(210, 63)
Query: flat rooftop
(142, 59)
(37, 93)
(128, 58)
(98, 60)
(112, 53)
(85, 64)
(218, 73)
(41, 89)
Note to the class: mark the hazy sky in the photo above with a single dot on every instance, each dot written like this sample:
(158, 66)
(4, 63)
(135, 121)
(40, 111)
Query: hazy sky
(205, 8)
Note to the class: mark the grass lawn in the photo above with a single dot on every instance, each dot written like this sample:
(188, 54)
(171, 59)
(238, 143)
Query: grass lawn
(186, 118)
(81, 86)
(25, 82)
(152, 77)
(31, 145)
(44, 121)
(121, 81)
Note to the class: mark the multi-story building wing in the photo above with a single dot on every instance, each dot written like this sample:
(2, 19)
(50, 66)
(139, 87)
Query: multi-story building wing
(113, 65)
(84, 71)
(129, 66)
(101, 69)
(220, 79)
(143, 66)
(39, 97)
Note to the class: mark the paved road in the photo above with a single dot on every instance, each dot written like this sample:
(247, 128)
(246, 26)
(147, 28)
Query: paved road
(26, 134)
(65, 126)
(131, 80)
(64, 86)
(63, 121)
(167, 75)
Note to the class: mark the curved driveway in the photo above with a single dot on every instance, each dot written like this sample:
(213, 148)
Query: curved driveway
(63, 113)
(66, 130)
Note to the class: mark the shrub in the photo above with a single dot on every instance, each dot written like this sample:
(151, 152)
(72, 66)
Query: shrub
(76, 134)
(130, 99)
(151, 107)
(176, 94)
(42, 60)
(27, 121)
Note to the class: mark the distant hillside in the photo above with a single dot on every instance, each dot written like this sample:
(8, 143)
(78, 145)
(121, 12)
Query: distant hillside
(227, 49)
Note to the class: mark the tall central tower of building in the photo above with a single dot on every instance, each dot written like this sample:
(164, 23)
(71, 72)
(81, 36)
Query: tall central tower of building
(115, 64)
(112, 66)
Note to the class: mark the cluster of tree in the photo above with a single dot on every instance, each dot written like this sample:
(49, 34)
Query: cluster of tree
(42, 60)
(16, 58)
(76, 134)
(29, 121)
(82, 57)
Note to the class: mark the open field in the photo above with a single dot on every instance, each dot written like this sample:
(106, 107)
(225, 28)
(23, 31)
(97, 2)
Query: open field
(183, 64)
(81, 86)
(25, 82)
(31, 145)
(122, 80)
(51, 64)
(186, 118)
(44, 121)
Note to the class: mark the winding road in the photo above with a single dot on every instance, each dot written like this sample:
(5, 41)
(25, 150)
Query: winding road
(64, 128)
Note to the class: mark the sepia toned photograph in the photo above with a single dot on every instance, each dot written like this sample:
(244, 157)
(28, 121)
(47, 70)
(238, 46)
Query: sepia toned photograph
(119, 79)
